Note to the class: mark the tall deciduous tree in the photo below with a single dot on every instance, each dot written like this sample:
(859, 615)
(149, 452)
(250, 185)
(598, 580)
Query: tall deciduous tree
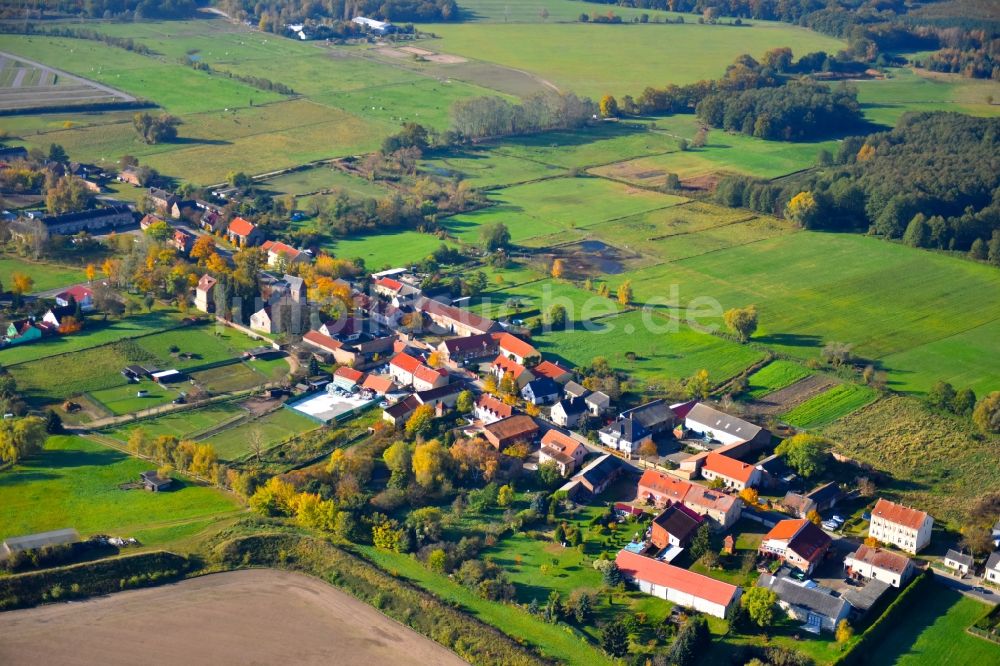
(742, 321)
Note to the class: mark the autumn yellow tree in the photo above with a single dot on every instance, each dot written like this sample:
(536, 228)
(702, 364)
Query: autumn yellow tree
(741, 321)
(625, 293)
(866, 153)
(814, 517)
(429, 463)
(274, 498)
(216, 264)
(647, 450)
(698, 385)
(203, 248)
(91, 272)
(801, 209)
(434, 359)
(22, 283)
(420, 421)
(608, 106)
(557, 268)
(750, 496)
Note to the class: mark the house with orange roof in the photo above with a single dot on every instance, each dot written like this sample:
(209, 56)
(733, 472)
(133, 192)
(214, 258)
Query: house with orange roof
(676, 585)
(661, 489)
(490, 410)
(553, 371)
(243, 233)
(517, 428)
(866, 563)
(732, 472)
(566, 452)
(279, 253)
(515, 348)
(378, 384)
(408, 370)
(347, 378)
(502, 365)
(906, 528)
(204, 294)
(796, 542)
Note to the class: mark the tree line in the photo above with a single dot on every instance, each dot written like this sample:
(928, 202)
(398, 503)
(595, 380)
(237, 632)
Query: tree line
(931, 182)
(106, 9)
(275, 14)
(494, 117)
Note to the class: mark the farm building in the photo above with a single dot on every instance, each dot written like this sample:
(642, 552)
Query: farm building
(508, 431)
(675, 526)
(708, 423)
(153, 482)
(677, 585)
(204, 293)
(877, 563)
(111, 217)
(798, 543)
(35, 541)
(376, 27)
(595, 478)
(814, 605)
(455, 321)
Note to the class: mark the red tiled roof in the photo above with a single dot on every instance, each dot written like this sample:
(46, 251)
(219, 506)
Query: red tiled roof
(501, 409)
(428, 374)
(389, 283)
(349, 373)
(320, 340)
(406, 363)
(241, 227)
(512, 344)
(561, 442)
(507, 365)
(785, 529)
(79, 292)
(280, 248)
(633, 565)
(513, 427)
(728, 467)
(549, 369)
(709, 499)
(664, 484)
(882, 559)
(378, 383)
(206, 282)
(899, 514)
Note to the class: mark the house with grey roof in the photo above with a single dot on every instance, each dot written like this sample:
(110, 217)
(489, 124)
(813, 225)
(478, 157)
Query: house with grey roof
(625, 435)
(818, 607)
(21, 544)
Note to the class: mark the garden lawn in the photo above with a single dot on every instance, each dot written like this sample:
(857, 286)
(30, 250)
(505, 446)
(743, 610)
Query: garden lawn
(386, 250)
(830, 405)
(46, 276)
(206, 344)
(74, 483)
(274, 428)
(554, 642)
(933, 631)
(185, 424)
(631, 56)
(773, 376)
(322, 179)
(95, 333)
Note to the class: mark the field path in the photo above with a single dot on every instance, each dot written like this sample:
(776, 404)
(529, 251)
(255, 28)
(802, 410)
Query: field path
(19, 77)
(58, 72)
(254, 616)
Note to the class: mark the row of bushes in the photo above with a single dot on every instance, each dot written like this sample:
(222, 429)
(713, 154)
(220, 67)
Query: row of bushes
(886, 621)
(470, 639)
(91, 579)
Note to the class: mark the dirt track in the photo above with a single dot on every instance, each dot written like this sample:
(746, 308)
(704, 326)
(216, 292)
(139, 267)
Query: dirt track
(241, 617)
(785, 399)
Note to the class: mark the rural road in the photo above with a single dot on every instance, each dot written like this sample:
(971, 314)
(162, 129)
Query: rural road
(254, 616)
(58, 72)
(966, 587)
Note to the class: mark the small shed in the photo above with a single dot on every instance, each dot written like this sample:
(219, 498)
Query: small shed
(36, 541)
(153, 482)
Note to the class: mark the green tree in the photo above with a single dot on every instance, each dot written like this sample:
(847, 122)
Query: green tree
(978, 250)
(698, 385)
(505, 496)
(759, 603)
(69, 194)
(53, 423)
(806, 454)
(548, 473)
(465, 402)
(918, 232)
(964, 402)
(438, 560)
(742, 321)
(614, 639)
(702, 542)
(556, 317)
(21, 437)
(495, 237)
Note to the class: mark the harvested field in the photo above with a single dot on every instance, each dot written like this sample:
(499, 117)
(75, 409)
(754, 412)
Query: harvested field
(253, 616)
(27, 84)
(784, 400)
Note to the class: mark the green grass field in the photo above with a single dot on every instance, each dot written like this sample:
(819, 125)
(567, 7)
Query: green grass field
(932, 631)
(630, 58)
(185, 424)
(884, 101)
(74, 483)
(829, 406)
(386, 250)
(273, 428)
(773, 376)
(322, 178)
(46, 275)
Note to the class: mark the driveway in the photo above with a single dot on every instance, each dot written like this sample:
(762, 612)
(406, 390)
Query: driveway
(967, 587)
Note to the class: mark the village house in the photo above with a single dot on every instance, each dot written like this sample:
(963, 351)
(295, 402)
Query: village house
(397, 292)
(796, 542)
(204, 293)
(992, 572)
(182, 241)
(678, 586)
(541, 391)
(281, 255)
(263, 320)
(347, 378)
(573, 390)
(960, 562)
(81, 295)
(907, 529)
(505, 432)
(711, 424)
(455, 321)
(552, 371)
(384, 314)
(661, 489)
(57, 317)
(516, 349)
(490, 410)
(868, 563)
(568, 412)
(441, 398)
(243, 233)
(563, 450)
(101, 219)
(23, 331)
(148, 220)
(594, 479)
(625, 435)
(655, 416)
(598, 402)
(130, 176)
(733, 473)
(519, 374)
(274, 288)
(162, 200)
(675, 526)
(817, 607)
(398, 413)
(378, 384)
(459, 351)
(407, 370)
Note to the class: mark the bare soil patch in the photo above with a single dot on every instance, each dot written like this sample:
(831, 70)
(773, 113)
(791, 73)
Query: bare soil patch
(255, 616)
(258, 406)
(785, 399)
(705, 182)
